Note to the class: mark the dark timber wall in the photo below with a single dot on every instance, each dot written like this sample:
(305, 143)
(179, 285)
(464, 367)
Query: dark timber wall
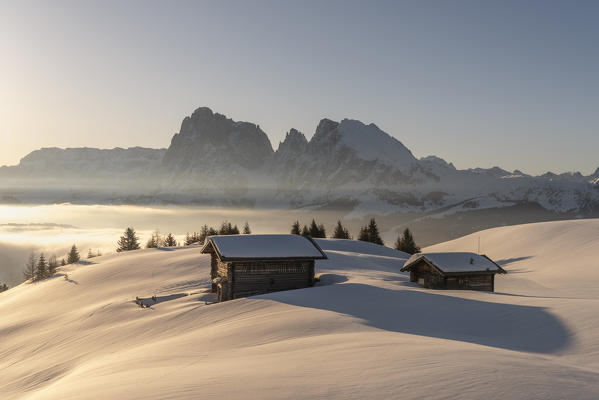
(248, 278)
(432, 278)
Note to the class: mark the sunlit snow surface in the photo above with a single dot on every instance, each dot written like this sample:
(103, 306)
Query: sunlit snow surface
(364, 332)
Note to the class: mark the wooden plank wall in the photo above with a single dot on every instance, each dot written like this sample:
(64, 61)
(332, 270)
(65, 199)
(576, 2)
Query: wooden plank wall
(257, 277)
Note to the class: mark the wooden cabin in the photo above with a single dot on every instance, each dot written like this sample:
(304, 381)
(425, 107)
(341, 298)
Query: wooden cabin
(247, 265)
(468, 271)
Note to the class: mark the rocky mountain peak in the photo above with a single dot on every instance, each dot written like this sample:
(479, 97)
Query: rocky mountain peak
(324, 128)
(206, 136)
(295, 141)
(437, 161)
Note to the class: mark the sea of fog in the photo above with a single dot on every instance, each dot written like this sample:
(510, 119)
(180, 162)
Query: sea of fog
(53, 229)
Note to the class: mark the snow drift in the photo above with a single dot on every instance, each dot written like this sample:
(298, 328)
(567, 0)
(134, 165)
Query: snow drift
(364, 332)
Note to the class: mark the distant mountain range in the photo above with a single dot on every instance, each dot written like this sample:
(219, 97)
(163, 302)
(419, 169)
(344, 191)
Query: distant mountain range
(347, 165)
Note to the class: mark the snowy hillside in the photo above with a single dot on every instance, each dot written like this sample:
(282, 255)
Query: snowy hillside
(363, 332)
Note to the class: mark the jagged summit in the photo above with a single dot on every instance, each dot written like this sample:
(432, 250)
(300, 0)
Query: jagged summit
(217, 160)
(367, 142)
(294, 140)
(437, 161)
(207, 137)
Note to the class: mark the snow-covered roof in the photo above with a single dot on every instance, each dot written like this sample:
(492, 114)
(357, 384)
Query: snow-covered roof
(457, 262)
(247, 247)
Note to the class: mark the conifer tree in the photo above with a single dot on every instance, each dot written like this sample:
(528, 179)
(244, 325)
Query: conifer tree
(373, 232)
(204, 233)
(370, 233)
(406, 243)
(246, 229)
(3, 287)
(129, 241)
(73, 255)
(296, 228)
(90, 254)
(322, 233)
(193, 238)
(225, 228)
(155, 240)
(305, 231)
(170, 241)
(317, 230)
(41, 269)
(30, 266)
(63, 262)
(341, 232)
(52, 265)
(314, 231)
(363, 236)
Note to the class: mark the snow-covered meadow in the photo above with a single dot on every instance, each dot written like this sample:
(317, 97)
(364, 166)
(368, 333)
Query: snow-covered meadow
(364, 332)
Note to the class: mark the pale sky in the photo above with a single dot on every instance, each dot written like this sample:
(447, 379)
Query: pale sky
(478, 83)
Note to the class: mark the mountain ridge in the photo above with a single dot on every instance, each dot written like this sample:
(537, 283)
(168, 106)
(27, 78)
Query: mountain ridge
(216, 160)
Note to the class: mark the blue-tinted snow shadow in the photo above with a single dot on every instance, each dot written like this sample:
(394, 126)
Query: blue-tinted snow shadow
(166, 248)
(507, 326)
(65, 277)
(507, 261)
(149, 301)
(330, 279)
(84, 262)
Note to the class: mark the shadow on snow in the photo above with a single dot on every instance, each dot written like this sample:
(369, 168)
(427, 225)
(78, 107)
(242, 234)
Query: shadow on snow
(507, 261)
(506, 326)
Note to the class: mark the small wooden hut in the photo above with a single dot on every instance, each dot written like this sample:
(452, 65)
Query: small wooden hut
(246, 265)
(453, 271)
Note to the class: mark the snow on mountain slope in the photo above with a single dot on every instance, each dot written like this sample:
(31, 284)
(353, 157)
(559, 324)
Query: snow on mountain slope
(364, 332)
(371, 143)
(559, 256)
(218, 161)
(88, 162)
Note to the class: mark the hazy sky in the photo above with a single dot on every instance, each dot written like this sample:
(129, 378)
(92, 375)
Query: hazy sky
(479, 83)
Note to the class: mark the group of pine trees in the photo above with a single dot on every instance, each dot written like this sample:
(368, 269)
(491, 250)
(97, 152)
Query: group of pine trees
(91, 254)
(406, 243)
(130, 241)
(157, 240)
(368, 233)
(226, 228)
(38, 268)
(315, 230)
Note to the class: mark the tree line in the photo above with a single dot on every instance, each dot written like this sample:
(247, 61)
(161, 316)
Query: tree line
(368, 233)
(130, 240)
(226, 228)
(40, 267)
(37, 268)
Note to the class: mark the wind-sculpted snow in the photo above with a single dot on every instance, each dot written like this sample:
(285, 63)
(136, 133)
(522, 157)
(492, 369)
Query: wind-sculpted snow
(364, 331)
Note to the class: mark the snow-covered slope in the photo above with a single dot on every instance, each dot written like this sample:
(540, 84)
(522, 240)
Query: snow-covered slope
(560, 257)
(364, 332)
